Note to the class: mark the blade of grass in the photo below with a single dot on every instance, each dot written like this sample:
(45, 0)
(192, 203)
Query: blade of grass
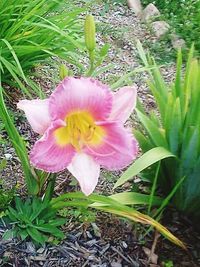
(153, 189)
(19, 146)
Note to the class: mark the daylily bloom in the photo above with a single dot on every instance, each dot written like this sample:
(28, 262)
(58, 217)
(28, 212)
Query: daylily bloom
(81, 125)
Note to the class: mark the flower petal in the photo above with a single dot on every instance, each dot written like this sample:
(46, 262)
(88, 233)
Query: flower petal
(83, 94)
(118, 149)
(124, 101)
(37, 113)
(86, 171)
(47, 155)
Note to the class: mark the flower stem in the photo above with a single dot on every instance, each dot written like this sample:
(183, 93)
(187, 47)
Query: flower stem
(50, 187)
(92, 67)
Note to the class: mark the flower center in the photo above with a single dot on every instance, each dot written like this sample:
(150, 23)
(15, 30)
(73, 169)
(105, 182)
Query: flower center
(80, 130)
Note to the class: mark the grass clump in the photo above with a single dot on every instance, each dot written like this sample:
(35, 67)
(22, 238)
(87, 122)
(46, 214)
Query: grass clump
(33, 31)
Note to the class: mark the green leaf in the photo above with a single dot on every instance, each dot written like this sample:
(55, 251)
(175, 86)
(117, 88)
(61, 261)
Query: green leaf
(156, 134)
(48, 214)
(145, 143)
(34, 31)
(104, 50)
(174, 130)
(15, 58)
(19, 146)
(3, 164)
(57, 222)
(36, 235)
(169, 197)
(152, 156)
(13, 215)
(27, 207)
(23, 234)
(47, 228)
(153, 189)
(124, 77)
(38, 207)
(112, 206)
(8, 234)
(178, 82)
(19, 204)
(132, 198)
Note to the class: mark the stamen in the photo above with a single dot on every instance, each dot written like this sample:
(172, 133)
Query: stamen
(80, 128)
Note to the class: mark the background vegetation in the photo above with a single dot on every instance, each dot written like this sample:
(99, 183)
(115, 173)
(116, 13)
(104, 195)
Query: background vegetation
(32, 32)
(183, 16)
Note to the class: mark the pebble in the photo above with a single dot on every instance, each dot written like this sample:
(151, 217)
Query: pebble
(40, 250)
(30, 248)
(124, 244)
(8, 156)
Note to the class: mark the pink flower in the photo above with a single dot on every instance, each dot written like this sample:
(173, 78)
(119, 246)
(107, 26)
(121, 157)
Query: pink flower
(82, 127)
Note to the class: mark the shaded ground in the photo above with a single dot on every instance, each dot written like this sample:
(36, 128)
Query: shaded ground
(109, 241)
(112, 243)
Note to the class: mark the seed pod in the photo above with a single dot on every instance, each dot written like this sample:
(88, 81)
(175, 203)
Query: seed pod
(63, 71)
(90, 40)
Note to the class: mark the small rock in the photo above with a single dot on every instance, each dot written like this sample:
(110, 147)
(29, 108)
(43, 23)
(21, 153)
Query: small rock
(137, 180)
(38, 258)
(96, 230)
(160, 28)
(124, 244)
(177, 42)
(135, 5)
(8, 156)
(88, 234)
(30, 247)
(40, 250)
(150, 12)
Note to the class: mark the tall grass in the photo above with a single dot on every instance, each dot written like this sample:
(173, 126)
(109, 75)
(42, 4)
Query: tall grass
(177, 129)
(31, 32)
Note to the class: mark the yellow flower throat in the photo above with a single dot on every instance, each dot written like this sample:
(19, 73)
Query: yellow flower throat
(80, 130)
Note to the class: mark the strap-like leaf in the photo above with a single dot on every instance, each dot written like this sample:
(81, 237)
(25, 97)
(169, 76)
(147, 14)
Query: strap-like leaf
(132, 198)
(152, 156)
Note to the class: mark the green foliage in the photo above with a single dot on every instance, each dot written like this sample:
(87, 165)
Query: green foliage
(133, 198)
(146, 162)
(36, 217)
(81, 214)
(183, 15)
(35, 179)
(168, 263)
(96, 55)
(177, 129)
(152, 156)
(2, 164)
(113, 205)
(6, 195)
(33, 218)
(19, 146)
(32, 32)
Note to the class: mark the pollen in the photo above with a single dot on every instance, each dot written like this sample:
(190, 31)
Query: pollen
(80, 130)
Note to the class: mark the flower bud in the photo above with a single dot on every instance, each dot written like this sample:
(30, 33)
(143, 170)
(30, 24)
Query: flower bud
(63, 71)
(90, 39)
